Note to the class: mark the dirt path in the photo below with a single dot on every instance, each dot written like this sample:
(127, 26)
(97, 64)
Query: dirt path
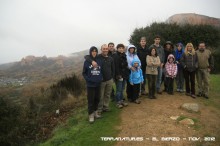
(152, 119)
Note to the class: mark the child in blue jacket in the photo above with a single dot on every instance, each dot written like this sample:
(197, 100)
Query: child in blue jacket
(135, 78)
(93, 77)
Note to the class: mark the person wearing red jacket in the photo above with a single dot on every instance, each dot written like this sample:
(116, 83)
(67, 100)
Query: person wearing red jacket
(171, 72)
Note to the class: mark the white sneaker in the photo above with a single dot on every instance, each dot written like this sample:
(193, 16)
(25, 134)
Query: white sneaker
(97, 115)
(119, 105)
(124, 103)
(91, 118)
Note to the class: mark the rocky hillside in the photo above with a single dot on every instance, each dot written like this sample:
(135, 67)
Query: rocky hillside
(43, 67)
(192, 18)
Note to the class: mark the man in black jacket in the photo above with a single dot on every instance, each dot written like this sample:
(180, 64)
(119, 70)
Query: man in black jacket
(108, 70)
(121, 74)
(142, 52)
(111, 52)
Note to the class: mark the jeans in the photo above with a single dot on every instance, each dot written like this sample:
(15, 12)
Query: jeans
(120, 86)
(180, 79)
(144, 76)
(159, 78)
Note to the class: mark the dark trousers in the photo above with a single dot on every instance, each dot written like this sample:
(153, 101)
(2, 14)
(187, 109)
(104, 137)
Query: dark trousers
(151, 84)
(129, 90)
(190, 79)
(169, 84)
(144, 76)
(93, 97)
(135, 89)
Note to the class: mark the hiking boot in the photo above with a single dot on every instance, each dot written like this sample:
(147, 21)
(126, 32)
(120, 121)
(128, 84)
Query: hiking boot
(97, 115)
(137, 101)
(193, 96)
(123, 103)
(154, 97)
(119, 105)
(91, 118)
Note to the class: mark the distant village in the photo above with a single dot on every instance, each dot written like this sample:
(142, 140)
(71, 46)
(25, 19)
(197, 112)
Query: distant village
(5, 82)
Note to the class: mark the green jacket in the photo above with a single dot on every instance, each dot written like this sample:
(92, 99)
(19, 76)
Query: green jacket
(205, 59)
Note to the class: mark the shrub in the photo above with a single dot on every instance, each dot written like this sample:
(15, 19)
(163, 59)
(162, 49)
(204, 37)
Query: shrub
(71, 84)
(9, 123)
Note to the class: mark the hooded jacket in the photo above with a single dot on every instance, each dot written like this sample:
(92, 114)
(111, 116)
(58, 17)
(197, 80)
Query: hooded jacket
(178, 56)
(108, 67)
(171, 68)
(136, 77)
(130, 56)
(93, 76)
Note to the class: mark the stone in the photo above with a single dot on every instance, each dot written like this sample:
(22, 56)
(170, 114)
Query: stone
(174, 117)
(187, 121)
(192, 107)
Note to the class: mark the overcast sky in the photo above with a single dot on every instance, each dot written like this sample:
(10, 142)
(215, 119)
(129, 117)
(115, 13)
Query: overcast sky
(53, 27)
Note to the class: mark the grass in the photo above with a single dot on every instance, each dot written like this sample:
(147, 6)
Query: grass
(78, 132)
(214, 95)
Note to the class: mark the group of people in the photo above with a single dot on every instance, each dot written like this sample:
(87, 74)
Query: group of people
(132, 66)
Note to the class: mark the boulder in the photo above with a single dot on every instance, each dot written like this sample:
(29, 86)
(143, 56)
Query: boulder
(187, 121)
(192, 107)
(174, 117)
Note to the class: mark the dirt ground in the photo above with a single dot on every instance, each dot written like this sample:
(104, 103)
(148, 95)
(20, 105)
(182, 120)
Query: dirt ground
(152, 119)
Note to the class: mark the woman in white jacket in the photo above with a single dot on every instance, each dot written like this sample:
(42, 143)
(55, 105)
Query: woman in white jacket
(131, 54)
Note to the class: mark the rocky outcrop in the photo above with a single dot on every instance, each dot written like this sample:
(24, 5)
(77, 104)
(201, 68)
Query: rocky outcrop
(194, 19)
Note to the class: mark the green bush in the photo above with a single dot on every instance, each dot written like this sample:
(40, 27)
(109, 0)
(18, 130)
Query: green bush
(72, 84)
(9, 123)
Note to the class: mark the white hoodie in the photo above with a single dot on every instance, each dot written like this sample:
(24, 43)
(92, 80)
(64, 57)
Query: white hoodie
(130, 57)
